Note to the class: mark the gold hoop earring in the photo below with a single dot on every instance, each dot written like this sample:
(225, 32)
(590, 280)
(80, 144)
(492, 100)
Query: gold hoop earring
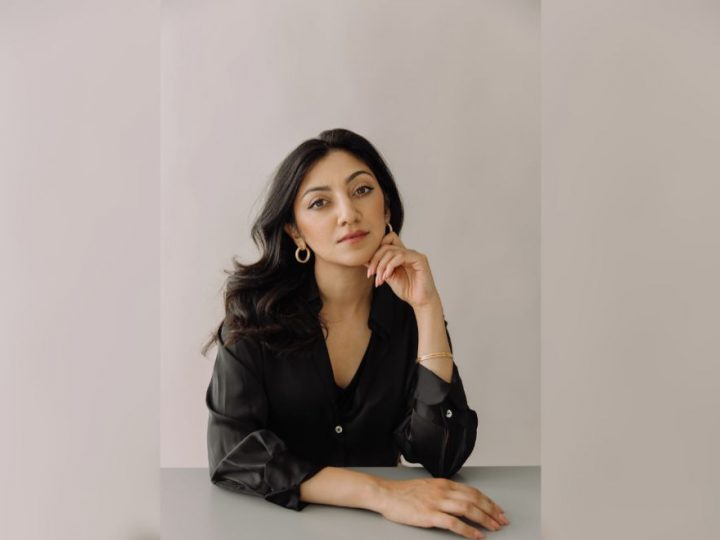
(388, 225)
(297, 255)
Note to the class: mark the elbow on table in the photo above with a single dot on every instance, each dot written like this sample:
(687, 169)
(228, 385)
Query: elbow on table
(287, 497)
(445, 471)
(233, 485)
(230, 485)
(456, 449)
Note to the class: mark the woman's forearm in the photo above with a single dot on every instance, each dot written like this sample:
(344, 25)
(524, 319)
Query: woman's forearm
(432, 338)
(343, 487)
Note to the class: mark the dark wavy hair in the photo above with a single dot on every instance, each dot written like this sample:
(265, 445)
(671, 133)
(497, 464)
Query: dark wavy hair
(264, 300)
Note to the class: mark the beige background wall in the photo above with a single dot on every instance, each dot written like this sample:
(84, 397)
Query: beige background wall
(630, 266)
(79, 270)
(449, 92)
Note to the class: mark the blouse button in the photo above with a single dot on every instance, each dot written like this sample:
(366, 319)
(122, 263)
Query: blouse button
(448, 413)
(338, 429)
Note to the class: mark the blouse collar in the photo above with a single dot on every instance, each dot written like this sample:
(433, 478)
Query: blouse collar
(383, 307)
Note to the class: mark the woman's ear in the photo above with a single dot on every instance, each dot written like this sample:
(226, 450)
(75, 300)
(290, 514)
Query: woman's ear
(292, 231)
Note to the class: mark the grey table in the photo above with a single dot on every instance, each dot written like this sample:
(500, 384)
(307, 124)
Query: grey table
(194, 509)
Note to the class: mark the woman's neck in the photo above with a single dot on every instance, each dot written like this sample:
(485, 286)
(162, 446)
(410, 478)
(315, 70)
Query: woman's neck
(345, 292)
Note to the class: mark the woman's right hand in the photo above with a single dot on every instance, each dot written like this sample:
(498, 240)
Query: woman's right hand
(435, 502)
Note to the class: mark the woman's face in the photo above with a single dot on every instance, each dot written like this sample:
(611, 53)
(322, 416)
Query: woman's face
(328, 206)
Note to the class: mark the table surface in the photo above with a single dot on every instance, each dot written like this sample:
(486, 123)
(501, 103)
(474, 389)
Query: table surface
(194, 508)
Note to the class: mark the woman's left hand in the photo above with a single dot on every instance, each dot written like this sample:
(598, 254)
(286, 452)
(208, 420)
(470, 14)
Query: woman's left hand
(406, 271)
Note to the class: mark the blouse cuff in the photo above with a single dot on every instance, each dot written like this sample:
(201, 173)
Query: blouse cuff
(432, 390)
(286, 474)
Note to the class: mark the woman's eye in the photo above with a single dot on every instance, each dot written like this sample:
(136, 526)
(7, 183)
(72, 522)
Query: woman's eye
(315, 202)
(369, 189)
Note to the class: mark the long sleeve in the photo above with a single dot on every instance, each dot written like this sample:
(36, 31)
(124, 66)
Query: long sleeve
(244, 456)
(438, 429)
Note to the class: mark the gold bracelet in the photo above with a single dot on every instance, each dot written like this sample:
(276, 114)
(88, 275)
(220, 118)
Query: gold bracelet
(434, 355)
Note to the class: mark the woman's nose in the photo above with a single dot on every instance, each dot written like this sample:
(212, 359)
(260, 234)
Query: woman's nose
(348, 212)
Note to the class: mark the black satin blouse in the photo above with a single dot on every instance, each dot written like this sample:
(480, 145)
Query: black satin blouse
(275, 421)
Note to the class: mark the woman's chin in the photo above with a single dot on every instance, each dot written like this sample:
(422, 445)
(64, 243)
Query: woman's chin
(358, 260)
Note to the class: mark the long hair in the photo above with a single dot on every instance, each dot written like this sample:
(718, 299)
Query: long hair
(264, 300)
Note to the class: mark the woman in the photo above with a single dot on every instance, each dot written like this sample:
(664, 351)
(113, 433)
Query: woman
(334, 352)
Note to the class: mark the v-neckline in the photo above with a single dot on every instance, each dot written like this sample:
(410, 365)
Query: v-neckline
(363, 360)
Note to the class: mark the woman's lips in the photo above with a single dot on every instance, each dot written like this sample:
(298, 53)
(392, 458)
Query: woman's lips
(354, 239)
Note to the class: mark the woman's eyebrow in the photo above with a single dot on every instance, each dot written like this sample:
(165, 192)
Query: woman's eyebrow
(327, 188)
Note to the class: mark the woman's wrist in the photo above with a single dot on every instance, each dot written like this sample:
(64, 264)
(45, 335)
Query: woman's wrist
(433, 339)
(342, 486)
(379, 494)
(430, 310)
